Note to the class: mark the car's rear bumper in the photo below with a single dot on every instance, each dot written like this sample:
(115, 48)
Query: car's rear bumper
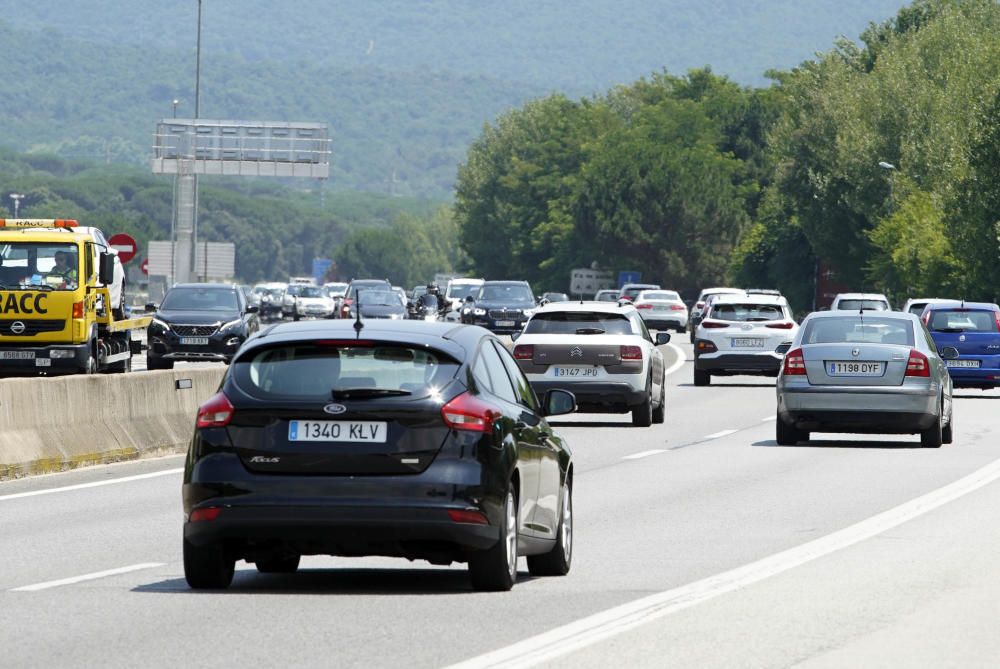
(982, 377)
(594, 396)
(739, 363)
(53, 359)
(895, 410)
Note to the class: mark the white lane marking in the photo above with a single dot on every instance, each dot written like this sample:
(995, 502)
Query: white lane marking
(718, 435)
(768, 419)
(87, 577)
(681, 359)
(587, 631)
(644, 454)
(92, 484)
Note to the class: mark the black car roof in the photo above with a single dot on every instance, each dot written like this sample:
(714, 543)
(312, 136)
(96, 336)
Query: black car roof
(219, 286)
(459, 341)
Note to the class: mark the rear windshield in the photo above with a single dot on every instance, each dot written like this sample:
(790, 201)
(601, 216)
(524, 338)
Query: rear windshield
(607, 296)
(962, 320)
(853, 329)
(578, 322)
(660, 295)
(311, 291)
(323, 372)
(858, 305)
(748, 312)
(917, 308)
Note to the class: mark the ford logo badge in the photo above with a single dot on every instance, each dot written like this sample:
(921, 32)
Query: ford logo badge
(335, 408)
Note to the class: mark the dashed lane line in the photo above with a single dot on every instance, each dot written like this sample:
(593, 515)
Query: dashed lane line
(87, 577)
(644, 454)
(92, 484)
(719, 435)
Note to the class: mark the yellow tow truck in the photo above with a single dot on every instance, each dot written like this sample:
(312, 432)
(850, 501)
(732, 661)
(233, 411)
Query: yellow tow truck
(55, 315)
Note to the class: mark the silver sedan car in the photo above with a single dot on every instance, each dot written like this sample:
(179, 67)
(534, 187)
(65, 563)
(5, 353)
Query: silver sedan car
(864, 372)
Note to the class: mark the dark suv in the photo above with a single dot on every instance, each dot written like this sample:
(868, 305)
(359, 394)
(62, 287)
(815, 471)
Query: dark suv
(500, 306)
(199, 321)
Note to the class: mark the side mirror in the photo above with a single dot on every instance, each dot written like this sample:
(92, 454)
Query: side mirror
(151, 306)
(469, 299)
(106, 272)
(559, 402)
(662, 338)
(252, 309)
(949, 353)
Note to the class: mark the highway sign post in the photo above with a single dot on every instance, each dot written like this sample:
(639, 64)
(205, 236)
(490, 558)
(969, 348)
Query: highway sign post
(586, 282)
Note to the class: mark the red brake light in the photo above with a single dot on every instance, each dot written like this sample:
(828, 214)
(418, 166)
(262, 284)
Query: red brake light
(524, 352)
(468, 516)
(699, 305)
(208, 513)
(917, 365)
(348, 301)
(782, 326)
(714, 324)
(630, 353)
(676, 307)
(469, 413)
(795, 363)
(216, 412)
(644, 306)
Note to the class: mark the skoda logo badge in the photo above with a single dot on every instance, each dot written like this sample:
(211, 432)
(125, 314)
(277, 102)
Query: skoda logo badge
(576, 352)
(856, 352)
(17, 327)
(335, 408)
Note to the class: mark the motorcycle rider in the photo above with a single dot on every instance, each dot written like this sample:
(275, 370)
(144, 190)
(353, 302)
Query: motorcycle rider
(432, 301)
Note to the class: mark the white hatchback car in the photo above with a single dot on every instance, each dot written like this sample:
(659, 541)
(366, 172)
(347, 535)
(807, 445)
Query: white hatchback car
(743, 334)
(860, 301)
(599, 351)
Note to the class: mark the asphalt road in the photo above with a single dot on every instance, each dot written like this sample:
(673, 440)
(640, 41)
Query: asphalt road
(698, 543)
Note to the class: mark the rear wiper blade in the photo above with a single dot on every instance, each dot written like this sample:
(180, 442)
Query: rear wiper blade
(350, 393)
(949, 329)
(586, 331)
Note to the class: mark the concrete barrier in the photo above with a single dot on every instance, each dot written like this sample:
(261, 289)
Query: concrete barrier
(53, 424)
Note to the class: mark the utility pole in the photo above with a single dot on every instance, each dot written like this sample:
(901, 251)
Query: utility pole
(16, 197)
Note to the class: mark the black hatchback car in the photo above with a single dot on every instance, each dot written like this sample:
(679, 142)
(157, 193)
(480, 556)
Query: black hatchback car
(199, 321)
(407, 438)
(500, 306)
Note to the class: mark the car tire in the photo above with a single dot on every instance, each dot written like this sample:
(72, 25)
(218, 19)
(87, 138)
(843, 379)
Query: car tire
(642, 415)
(158, 363)
(279, 565)
(660, 412)
(788, 435)
(208, 567)
(557, 562)
(947, 432)
(933, 436)
(495, 569)
(702, 378)
(90, 364)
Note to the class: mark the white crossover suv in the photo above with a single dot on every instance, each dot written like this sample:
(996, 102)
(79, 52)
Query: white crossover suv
(599, 351)
(743, 334)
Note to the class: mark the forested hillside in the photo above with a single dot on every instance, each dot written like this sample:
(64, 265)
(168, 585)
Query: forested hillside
(879, 161)
(393, 132)
(277, 231)
(577, 47)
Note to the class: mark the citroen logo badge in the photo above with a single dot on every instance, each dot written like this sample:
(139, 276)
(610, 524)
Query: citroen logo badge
(17, 327)
(856, 352)
(576, 352)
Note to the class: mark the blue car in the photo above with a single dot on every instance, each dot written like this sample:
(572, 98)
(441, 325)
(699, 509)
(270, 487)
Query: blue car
(973, 330)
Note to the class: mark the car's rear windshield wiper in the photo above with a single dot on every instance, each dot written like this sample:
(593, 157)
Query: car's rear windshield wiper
(354, 393)
(590, 330)
(949, 329)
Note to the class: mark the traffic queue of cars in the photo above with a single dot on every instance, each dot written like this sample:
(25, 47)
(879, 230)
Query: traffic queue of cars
(379, 434)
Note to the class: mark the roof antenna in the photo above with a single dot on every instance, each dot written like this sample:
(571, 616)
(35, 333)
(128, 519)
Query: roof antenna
(358, 325)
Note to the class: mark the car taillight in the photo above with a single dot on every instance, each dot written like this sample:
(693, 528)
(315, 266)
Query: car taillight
(630, 353)
(644, 306)
(795, 363)
(699, 305)
(705, 346)
(782, 326)
(524, 352)
(207, 513)
(216, 412)
(468, 516)
(714, 324)
(676, 307)
(917, 365)
(469, 413)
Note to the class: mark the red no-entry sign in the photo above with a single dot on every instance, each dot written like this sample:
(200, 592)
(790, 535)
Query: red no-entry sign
(145, 267)
(125, 245)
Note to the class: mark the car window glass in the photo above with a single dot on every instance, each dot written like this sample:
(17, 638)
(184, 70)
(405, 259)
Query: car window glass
(963, 320)
(525, 396)
(571, 322)
(482, 375)
(513, 294)
(858, 330)
(747, 312)
(867, 305)
(500, 381)
(200, 299)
